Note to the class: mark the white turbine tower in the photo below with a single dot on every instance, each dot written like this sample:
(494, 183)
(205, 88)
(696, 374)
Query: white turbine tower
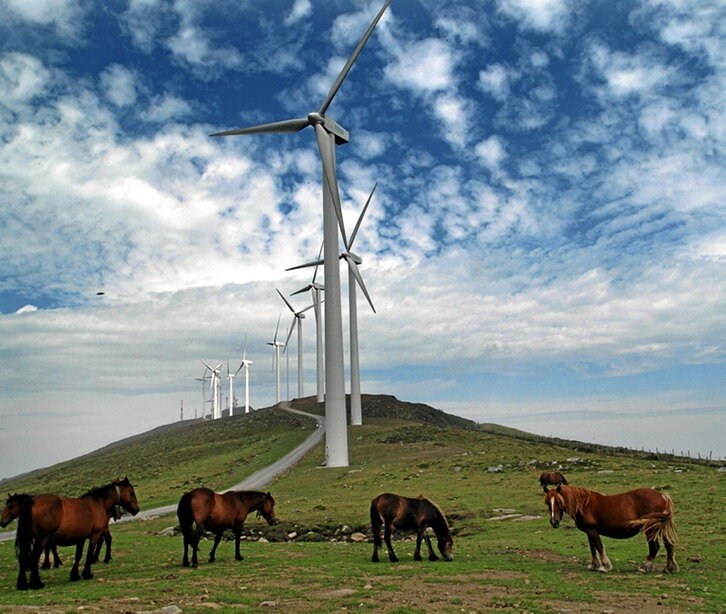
(356, 410)
(276, 345)
(203, 379)
(297, 318)
(216, 390)
(245, 364)
(230, 378)
(315, 290)
(328, 133)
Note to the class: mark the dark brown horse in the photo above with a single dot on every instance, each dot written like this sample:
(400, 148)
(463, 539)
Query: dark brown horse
(618, 516)
(64, 521)
(553, 478)
(396, 512)
(12, 510)
(204, 510)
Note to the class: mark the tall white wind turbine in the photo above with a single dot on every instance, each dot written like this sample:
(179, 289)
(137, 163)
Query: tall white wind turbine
(276, 345)
(328, 133)
(297, 320)
(216, 390)
(230, 379)
(315, 290)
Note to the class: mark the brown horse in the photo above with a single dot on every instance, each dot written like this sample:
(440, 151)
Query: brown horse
(396, 512)
(618, 516)
(204, 510)
(554, 478)
(64, 521)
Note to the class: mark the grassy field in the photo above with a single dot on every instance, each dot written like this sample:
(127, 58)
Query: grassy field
(507, 558)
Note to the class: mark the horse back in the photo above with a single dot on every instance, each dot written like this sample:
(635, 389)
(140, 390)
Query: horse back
(404, 513)
(68, 520)
(613, 514)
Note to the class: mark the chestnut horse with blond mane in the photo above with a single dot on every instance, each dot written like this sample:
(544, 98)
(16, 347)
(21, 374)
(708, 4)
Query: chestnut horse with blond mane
(617, 516)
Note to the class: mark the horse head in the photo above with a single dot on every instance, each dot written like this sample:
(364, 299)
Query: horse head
(446, 544)
(127, 496)
(12, 508)
(555, 502)
(267, 508)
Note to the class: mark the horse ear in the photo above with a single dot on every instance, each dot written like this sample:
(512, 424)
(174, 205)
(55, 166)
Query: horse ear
(559, 488)
(268, 494)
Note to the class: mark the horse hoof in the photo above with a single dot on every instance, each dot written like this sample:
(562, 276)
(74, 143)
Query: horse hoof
(185, 563)
(417, 557)
(433, 557)
(394, 559)
(37, 586)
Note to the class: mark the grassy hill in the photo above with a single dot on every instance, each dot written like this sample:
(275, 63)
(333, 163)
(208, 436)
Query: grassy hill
(507, 558)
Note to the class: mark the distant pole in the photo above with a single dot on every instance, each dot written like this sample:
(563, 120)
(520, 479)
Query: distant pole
(182, 411)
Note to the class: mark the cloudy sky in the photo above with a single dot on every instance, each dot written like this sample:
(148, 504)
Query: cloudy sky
(546, 248)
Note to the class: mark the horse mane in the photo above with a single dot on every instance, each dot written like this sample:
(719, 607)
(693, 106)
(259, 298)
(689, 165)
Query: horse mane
(441, 516)
(574, 498)
(99, 491)
(23, 496)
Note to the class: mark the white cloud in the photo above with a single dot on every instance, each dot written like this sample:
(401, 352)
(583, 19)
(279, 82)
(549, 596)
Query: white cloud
(491, 152)
(423, 66)
(27, 309)
(22, 78)
(495, 80)
(120, 85)
(542, 15)
(300, 10)
(66, 16)
(165, 108)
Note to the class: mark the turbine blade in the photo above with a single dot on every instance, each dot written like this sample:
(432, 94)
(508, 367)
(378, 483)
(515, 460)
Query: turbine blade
(283, 127)
(360, 219)
(306, 309)
(353, 57)
(284, 299)
(320, 254)
(301, 290)
(356, 273)
(277, 328)
(305, 266)
(328, 156)
(208, 367)
(292, 328)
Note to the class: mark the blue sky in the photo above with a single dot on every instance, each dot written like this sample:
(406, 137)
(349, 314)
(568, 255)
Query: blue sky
(546, 247)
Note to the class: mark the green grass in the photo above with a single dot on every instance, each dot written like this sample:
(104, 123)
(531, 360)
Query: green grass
(500, 565)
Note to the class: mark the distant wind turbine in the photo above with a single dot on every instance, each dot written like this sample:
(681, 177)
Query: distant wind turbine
(297, 318)
(328, 133)
(276, 345)
(216, 390)
(315, 290)
(245, 364)
(230, 378)
(203, 379)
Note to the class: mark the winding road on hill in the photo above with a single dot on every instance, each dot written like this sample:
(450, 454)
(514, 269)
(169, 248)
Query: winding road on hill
(256, 481)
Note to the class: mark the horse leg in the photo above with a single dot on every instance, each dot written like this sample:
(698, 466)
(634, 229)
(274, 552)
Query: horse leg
(653, 547)
(432, 554)
(600, 561)
(213, 551)
(35, 581)
(92, 542)
(671, 565)
(108, 539)
(237, 554)
(75, 576)
(46, 558)
(387, 536)
(376, 530)
(419, 537)
(56, 559)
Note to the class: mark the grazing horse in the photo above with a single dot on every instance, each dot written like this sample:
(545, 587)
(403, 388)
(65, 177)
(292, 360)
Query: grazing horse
(554, 478)
(204, 510)
(618, 516)
(12, 510)
(396, 512)
(64, 521)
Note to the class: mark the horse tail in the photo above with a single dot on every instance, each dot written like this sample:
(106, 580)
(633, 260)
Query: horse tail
(376, 521)
(185, 514)
(658, 525)
(24, 541)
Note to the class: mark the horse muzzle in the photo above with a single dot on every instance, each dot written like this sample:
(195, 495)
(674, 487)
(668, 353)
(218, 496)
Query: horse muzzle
(449, 557)
(4, 523)
(555, 523)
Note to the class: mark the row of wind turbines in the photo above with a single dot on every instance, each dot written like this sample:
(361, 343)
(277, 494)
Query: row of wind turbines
(328, 134)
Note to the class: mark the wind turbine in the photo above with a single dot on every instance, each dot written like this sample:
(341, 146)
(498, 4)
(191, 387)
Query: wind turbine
(230, 377)
(328, 133)
(297, 318)
(315, 289)
(245, 364)
(202, 379)
(276, 345)
(216, 391)
(354, 277)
